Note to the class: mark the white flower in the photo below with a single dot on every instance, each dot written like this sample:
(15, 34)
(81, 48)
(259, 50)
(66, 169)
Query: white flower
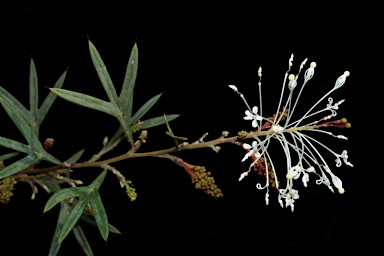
(294, 172)
(253, 116)
(341, 80)
(344, 155)
(289, 197)
(305, 179)
(253, 150)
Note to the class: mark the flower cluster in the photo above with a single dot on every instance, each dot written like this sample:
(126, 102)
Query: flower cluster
(6, 188)
(202, 179)
(302, 155)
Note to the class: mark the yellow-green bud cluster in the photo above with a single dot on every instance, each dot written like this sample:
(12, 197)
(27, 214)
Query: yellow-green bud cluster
(203, 180)
(143, 136)
(6, 187)
(131, 192)
(137, 126)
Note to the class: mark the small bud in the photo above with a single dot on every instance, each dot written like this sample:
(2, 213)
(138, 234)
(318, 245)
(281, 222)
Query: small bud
(292, 82)
(290, 60)
(233, 88)
(243, 175)
(105, 141)
(303, 63)
(48, 143)
(143, 136)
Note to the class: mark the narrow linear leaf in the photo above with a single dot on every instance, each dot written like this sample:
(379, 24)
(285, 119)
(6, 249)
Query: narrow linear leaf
(15, 104)
(127, 129)
(86, 101)
(48, 101)
(126, 94)
(21, 124)
(44, 155)
(152, 122)
(33, 90)
(100, 214)
(104, 77)
(170, 133)
(8, 156)
(18, 166)
(15, 145)
(73, 217)
(175, 137)
(75, 157)
(63, 214)
(65, 193)
(82, 240)
(144, 109)
(97, 182)
(168, 127)
(28, 134)
(89, 219)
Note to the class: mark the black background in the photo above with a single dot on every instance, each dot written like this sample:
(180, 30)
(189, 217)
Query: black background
(192, 54)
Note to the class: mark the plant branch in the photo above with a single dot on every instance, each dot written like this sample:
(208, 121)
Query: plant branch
(133, 154)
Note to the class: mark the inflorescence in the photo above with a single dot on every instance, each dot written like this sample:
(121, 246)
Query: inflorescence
(293, 141)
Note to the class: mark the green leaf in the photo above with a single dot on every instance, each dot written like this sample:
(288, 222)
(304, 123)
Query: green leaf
(63, 214)
(65, 193)
(89, 219)
(175, 137)
(18, 166)
(74, 216)
(127, 129)
(7, 156)
(100, 214)
(144, 109)
(104, 77)
(152, 122)
(86, 101)
(126, 94)
(170, 133)
(15, 145)
(75, 157)
(47, 103)
(21, 123)
(33, 90)
(82, 240)
(99, 180)
(15, 104)
(44, 155)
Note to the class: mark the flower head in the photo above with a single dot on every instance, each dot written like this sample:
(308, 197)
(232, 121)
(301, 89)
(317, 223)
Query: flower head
(303, 157)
